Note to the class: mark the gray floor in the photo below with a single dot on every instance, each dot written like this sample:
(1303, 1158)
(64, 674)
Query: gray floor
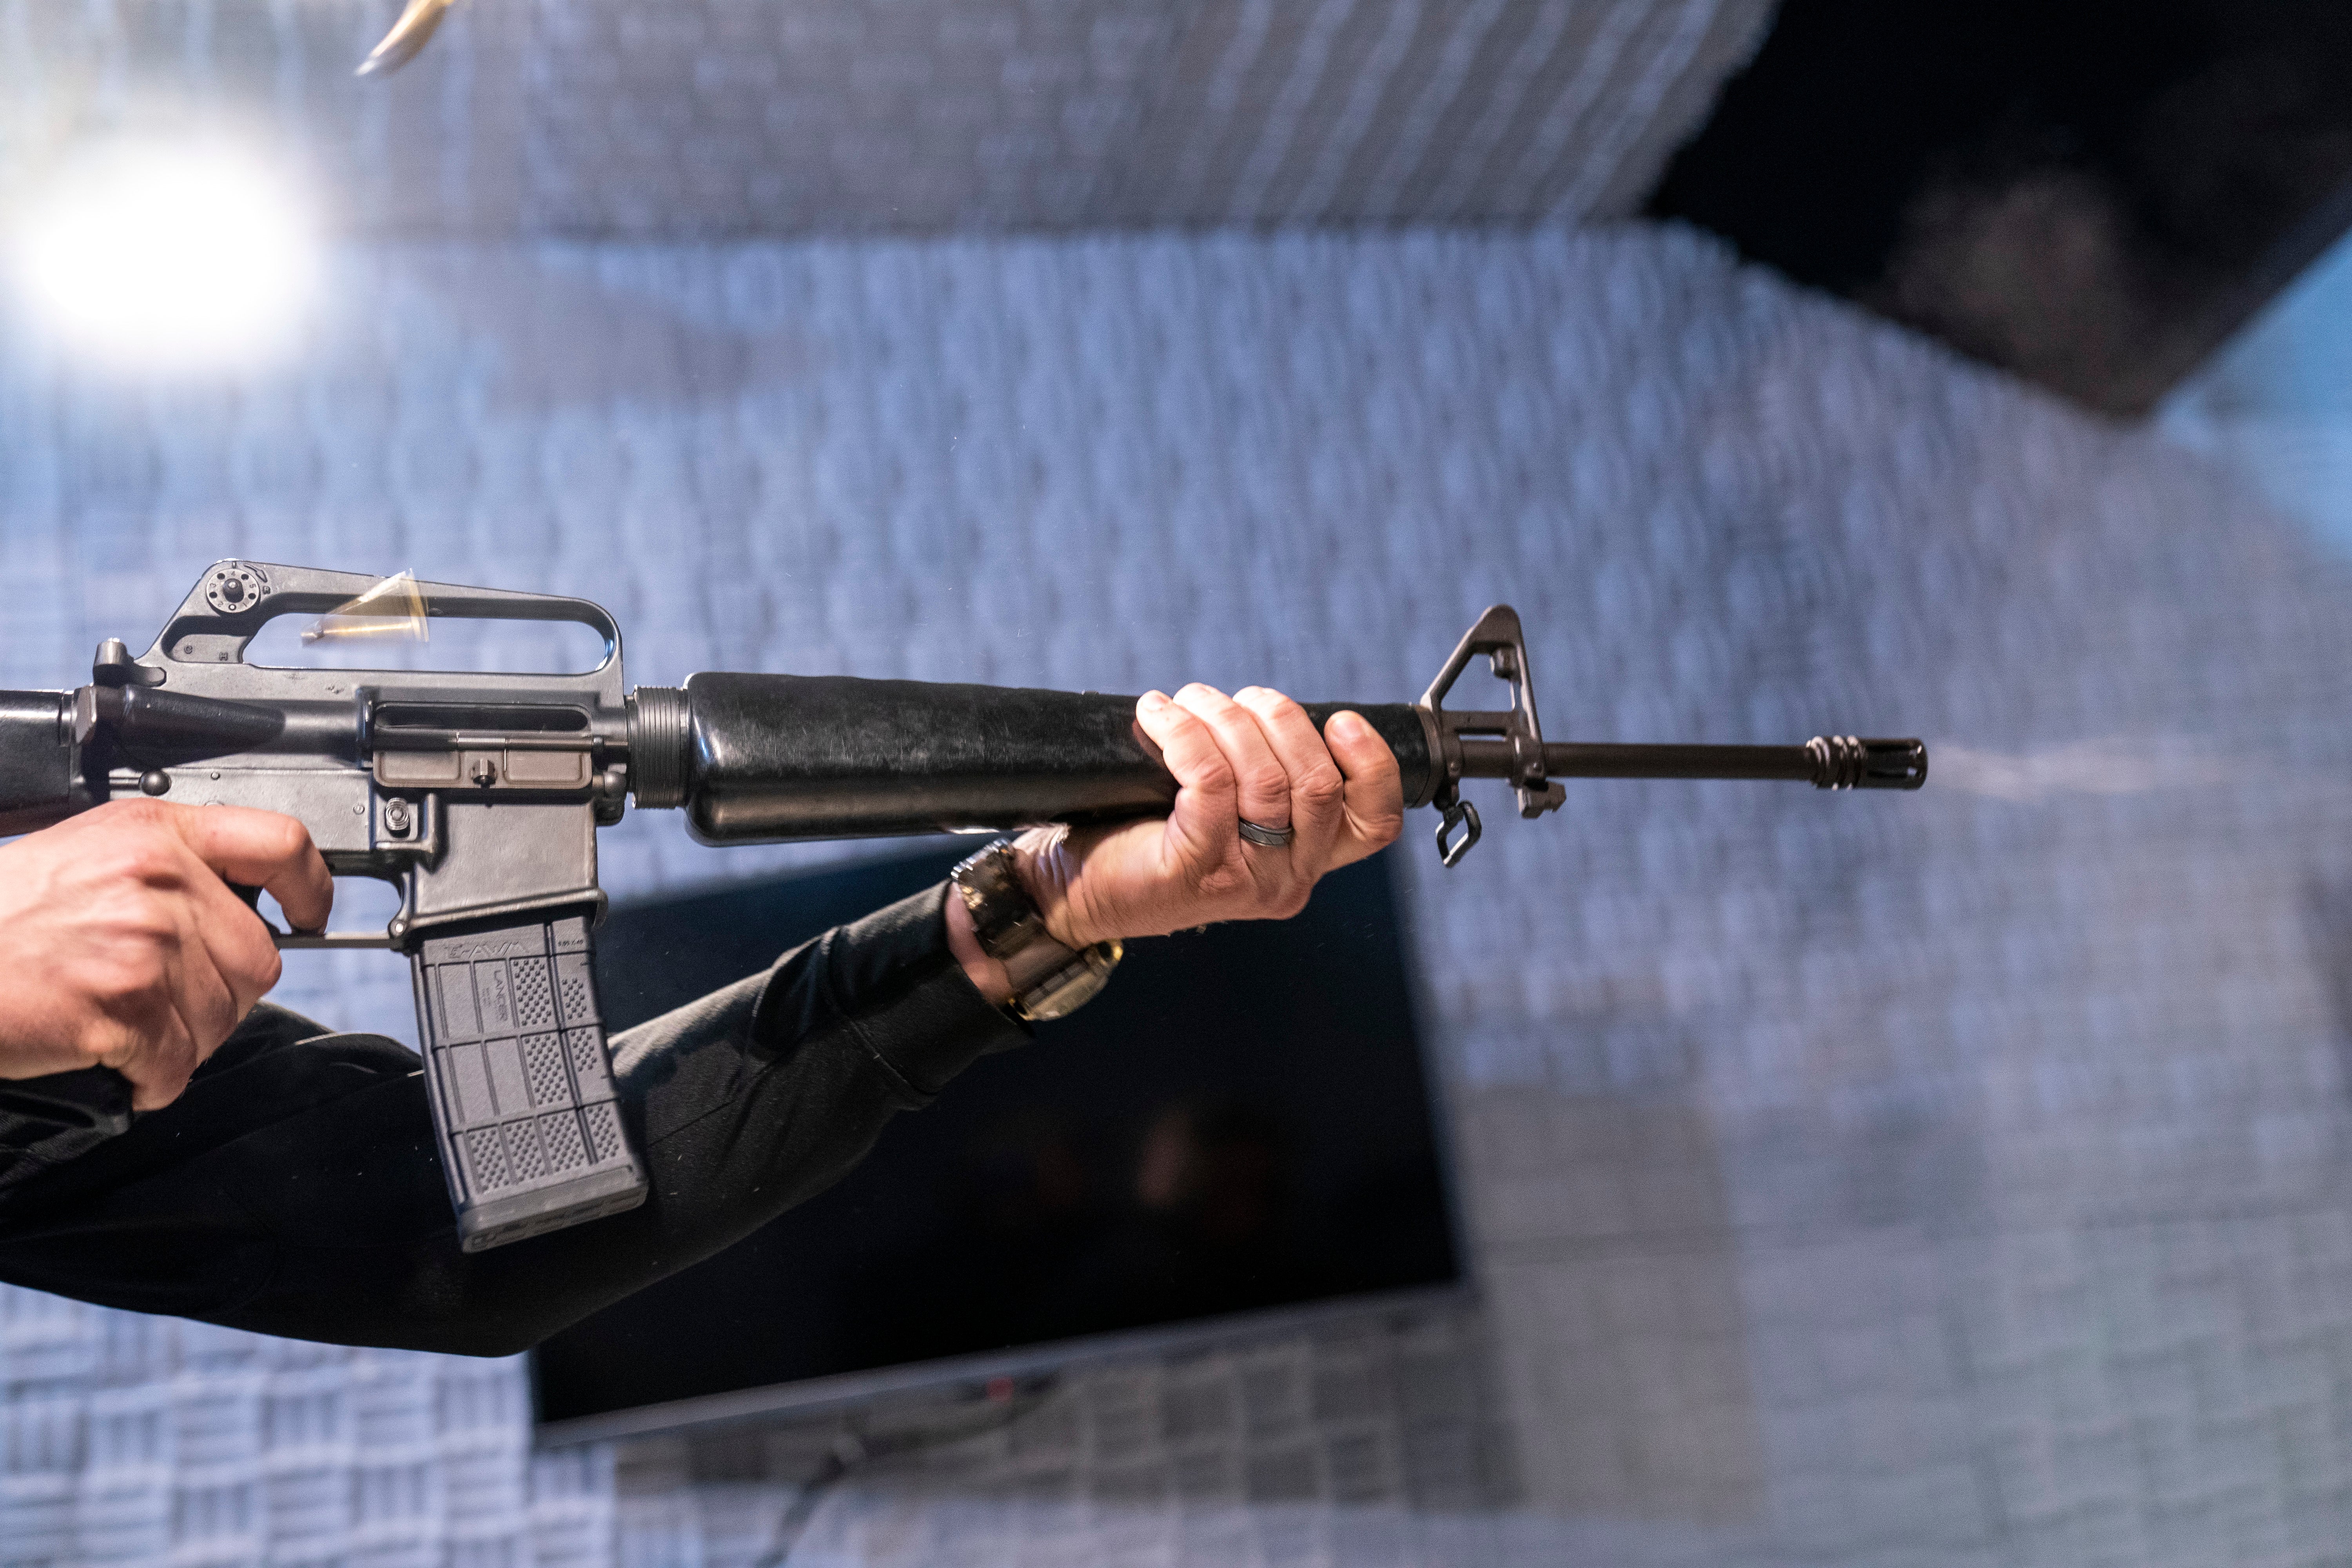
(1944, 1179)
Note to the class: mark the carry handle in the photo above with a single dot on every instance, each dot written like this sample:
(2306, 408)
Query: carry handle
(235, 599)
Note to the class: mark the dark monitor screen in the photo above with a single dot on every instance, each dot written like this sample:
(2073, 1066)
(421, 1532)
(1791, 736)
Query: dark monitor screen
(1240, 1121)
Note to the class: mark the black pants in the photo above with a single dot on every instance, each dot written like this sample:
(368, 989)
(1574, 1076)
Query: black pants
(294, 1190)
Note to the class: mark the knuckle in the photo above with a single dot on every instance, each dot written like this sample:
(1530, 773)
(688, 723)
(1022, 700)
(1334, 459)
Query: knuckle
(284, 838)
(94, 1045)
(140, 811)
(1223, 880)
(153, 860)
(1266, 780)
(145, 854)
(140, 920)
(1321, 787)
(164, 1081)
(128, 981)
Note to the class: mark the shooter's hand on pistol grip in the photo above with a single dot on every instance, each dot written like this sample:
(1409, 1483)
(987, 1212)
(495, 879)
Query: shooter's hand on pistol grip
(124, 947)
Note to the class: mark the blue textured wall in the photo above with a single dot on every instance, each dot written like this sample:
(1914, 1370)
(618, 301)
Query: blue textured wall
(1950, 1178)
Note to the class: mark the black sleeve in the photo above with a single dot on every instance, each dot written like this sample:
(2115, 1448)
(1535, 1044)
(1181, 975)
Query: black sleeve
(293, 1189)
(46, 1121)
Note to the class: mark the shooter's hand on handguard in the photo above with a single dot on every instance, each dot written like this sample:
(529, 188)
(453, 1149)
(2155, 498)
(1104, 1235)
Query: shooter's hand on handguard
(122, 944)
(1251, 768)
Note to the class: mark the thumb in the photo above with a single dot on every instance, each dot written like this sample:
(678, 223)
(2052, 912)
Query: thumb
(1373, 794)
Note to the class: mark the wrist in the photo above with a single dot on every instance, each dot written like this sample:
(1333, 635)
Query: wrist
(1044, 977)
(1047, 868)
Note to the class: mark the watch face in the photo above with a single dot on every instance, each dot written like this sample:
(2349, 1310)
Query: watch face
(1000, 906)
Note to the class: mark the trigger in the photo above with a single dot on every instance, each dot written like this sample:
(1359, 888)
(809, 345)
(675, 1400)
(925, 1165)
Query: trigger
(252, 897)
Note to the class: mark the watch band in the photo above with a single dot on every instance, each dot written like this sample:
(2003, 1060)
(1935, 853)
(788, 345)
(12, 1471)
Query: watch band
(1049, 979)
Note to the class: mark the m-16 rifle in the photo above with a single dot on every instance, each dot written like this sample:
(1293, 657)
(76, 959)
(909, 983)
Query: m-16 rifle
(480, 796)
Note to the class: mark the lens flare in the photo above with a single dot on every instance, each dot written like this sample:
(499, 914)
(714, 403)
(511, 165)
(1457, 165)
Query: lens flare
(167, 256)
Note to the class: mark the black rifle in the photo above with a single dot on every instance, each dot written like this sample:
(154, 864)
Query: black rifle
(480, 796)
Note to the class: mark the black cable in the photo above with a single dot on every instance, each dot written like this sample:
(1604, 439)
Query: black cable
(846, 1455)
(853, 1449)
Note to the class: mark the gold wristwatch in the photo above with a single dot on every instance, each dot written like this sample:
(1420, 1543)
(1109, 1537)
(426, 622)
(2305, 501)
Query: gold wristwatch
(1049, 980)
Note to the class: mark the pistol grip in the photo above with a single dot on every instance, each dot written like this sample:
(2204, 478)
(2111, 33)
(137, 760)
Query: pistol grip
(524, 1115)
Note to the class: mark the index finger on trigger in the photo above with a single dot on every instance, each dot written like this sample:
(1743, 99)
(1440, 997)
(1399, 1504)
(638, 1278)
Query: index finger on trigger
(263, 849)
(238, 941)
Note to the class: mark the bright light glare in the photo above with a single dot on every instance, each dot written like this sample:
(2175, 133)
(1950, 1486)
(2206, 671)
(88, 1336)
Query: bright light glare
(168, 256)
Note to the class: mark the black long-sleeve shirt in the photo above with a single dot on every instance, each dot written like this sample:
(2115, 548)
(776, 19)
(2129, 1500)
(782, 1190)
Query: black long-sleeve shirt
(293, 1188)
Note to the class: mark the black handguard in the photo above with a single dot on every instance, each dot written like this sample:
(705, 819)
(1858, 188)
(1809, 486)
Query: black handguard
(756, 758)
(480, 796)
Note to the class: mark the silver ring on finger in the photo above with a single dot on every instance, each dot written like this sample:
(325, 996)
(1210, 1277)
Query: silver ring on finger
(1267, 837)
